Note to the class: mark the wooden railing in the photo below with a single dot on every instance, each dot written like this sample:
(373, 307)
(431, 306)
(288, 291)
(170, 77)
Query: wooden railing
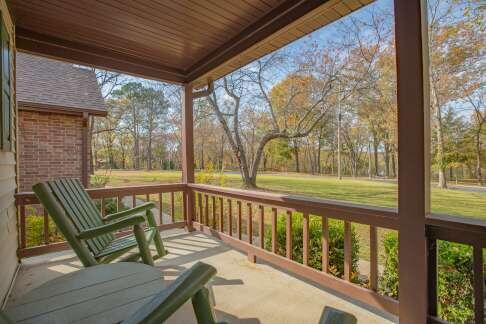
(242, 218)
(459, 230)
(248, 221)
(170, 213)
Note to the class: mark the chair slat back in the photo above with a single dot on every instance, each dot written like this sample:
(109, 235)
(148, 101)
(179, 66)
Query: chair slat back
(81, 210)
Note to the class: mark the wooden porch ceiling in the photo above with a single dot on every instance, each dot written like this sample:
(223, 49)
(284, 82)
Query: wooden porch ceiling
(175, 41)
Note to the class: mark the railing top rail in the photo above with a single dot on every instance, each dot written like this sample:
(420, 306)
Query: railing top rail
(457, 229)
(108, 192)
(370, 215)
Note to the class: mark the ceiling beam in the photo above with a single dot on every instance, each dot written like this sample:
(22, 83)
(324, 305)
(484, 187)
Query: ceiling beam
(278, 18)
(56, 48)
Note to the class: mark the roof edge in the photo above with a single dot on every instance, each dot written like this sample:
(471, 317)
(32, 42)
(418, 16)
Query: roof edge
(40, 107)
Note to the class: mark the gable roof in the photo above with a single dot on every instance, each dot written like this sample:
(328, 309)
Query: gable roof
(46, 84)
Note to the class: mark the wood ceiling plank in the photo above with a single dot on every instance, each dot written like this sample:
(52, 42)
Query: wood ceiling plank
(142, 20)
(119, 45)
(115, 29)
(34, 43)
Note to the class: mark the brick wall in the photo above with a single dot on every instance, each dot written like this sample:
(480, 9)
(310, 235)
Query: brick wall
(50, 146)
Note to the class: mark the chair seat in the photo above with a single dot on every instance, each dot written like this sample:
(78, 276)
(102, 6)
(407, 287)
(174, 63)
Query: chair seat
(125, 242)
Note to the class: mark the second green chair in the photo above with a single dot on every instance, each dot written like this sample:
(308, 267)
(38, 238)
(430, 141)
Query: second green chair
(89, 234)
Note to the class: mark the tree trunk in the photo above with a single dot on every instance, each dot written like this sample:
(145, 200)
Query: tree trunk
(375, 154)
(370, 176)
(202, 156)
(221, 154)
(319, 148)
(440, 143)
(387, 161)
(149, 152)
(394, 170)
(339, 146)
(296, 156)
(136, 152)
(478, 157)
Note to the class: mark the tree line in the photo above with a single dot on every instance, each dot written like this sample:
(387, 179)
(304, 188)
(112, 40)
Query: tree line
(323, 105)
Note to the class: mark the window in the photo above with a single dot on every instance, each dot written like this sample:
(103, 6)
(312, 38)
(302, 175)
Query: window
(6, 124)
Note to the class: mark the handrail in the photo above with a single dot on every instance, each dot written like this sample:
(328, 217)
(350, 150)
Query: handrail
(28, 197)
(24, 199)
(357, 213)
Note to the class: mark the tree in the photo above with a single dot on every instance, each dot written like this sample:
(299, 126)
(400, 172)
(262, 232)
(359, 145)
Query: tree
(454, 45)
(254, 80)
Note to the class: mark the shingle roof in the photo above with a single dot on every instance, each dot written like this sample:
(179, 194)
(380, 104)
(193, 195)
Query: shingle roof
(49, 83)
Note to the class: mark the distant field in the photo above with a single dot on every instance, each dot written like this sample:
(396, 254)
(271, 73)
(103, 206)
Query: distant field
(377, 193)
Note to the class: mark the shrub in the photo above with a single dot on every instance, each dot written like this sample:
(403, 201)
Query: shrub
(99, 181)
(210, 176)
(455, 278)
(111, 205)
(336, 244)
(389, 279)
(34, 234)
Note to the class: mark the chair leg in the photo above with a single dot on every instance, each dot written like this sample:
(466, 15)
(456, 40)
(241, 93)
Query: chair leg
(143, 245)
(202, 307)
(159, 245)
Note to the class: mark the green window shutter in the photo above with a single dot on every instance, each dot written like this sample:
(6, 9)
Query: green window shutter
(6, 125)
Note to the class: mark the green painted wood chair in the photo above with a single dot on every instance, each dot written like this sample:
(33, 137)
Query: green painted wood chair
(190, 285)
(89, 234)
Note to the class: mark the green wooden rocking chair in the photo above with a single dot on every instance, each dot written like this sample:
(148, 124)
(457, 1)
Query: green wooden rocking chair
(88, 233)
(190, 285)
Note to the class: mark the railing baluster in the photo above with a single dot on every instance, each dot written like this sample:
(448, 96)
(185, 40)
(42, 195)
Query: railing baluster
(262, 227)
(325, 244)
(103, 207)
(161, 214)
(288, 235)
(147, 198)
(274, 230)
(347, 251)
(172, 207)
(373, 259)
(230, 218)
(238, 224)
(432, 276)
(250, 222)
(46, 226)
(213, 200)
(134, 200)
(206, 210)
(305, 239)
(221, 213)
(478, 284)
(199, 201)
(22, 226)
(185, 214)
(119, 203)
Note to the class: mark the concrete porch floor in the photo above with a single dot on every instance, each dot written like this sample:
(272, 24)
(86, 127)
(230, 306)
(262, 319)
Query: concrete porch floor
(242, 292)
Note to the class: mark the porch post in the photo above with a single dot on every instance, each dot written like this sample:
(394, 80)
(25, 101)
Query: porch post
(188, 151)
(413, 156)
(85, 142)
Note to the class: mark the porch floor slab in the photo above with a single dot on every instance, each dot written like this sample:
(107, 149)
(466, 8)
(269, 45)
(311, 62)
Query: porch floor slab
(242, 292)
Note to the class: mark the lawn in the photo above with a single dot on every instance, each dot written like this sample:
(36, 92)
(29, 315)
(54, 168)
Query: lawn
(376, 193)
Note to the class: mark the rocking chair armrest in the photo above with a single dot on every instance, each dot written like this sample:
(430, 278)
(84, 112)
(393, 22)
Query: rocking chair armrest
(135, 210)
(111, 227)
(187, 286)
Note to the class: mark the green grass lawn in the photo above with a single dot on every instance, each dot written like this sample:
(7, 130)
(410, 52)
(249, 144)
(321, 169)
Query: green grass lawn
(376, 193)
